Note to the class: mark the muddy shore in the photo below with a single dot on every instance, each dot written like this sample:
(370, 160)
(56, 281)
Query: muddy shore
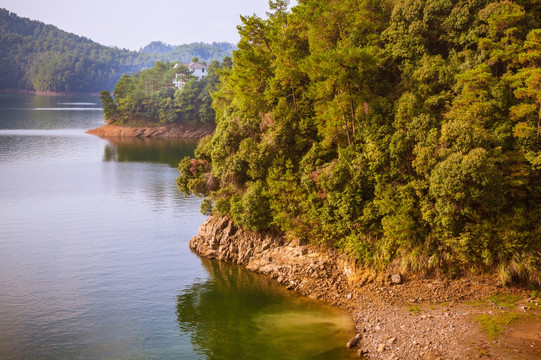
(172, 131)
(396, 317)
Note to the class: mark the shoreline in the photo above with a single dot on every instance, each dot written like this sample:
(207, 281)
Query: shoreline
(169, 131)
(395, 317)
(45, 92)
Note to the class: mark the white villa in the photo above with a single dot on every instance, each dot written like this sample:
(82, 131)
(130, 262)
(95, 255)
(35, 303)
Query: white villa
(196, 69)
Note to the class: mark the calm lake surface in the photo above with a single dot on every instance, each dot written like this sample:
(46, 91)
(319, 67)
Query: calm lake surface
(94, 257)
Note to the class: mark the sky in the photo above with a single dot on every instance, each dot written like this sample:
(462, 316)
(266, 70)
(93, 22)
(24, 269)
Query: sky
(132, 24)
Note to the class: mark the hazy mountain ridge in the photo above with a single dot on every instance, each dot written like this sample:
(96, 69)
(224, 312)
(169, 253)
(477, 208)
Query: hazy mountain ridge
(38, 56)
(186, 52)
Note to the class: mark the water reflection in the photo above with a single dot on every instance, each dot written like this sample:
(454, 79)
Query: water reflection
(157, 150)
(20, 111)
(237, 314)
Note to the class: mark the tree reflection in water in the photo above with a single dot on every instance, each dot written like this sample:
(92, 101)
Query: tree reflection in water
(142, 149)
(237, 314)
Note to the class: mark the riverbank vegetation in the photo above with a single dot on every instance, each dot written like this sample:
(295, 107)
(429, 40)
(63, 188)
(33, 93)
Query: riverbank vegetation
(148, 97)
(36, 56)
(401, 132)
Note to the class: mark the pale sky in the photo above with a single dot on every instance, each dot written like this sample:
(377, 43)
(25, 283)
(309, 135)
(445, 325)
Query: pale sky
(132, 24)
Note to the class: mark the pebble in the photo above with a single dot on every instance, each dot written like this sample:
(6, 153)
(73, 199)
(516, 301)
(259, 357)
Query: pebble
(355, 341)
(361, 353)
(396, 279)
(381, 348)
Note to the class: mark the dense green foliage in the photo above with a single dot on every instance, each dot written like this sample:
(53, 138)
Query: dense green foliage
(149, 97)
(35, 56)
(403, 132)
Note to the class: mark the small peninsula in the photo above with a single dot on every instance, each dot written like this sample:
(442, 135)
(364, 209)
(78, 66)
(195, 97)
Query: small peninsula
(168, 100)
(382, 156)
(170, 131)
(385, 156)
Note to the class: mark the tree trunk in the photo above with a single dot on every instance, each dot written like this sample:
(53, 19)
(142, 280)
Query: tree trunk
(291, 83)
(352, 111)
(345, 118)
(539, 119)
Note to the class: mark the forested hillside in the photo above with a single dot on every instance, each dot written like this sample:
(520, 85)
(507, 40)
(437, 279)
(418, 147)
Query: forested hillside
(36, 56)
(403, 132)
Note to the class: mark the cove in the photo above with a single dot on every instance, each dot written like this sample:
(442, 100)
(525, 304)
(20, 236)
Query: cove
(94, 256)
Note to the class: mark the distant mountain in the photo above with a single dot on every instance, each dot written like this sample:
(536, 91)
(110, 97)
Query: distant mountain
(157, 47)
(185, 53)
(36, 56)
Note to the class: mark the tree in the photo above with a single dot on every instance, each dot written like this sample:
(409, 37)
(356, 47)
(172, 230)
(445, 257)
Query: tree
(109, 107)
(400, 132)
(527, 82)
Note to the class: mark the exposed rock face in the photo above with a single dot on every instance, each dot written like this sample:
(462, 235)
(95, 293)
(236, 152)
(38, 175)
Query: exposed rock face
(173, 130)
(306, 269)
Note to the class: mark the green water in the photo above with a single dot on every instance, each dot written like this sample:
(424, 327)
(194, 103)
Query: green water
(242, 315)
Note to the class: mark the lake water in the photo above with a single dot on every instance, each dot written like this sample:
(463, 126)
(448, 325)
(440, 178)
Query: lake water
(94, 257)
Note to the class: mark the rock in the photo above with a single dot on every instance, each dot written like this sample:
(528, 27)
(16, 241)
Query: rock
(291, 286)
(391, 341)
(396, 279)
(381, 348)
(354, 341)
(361, 353)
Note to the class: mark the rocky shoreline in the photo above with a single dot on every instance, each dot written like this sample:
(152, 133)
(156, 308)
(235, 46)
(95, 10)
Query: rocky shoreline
(396, 317)
(171, 131)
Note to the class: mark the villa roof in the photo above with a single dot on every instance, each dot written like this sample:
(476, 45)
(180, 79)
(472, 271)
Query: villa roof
(194, 65)
(191, 66)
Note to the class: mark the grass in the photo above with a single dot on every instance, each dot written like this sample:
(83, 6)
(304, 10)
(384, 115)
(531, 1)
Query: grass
(493, 325)
(477, 303)
(414, 309)
(507, 301)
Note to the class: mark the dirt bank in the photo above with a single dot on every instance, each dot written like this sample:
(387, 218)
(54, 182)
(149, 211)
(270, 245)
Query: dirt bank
(397, 317)
(173, 131)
